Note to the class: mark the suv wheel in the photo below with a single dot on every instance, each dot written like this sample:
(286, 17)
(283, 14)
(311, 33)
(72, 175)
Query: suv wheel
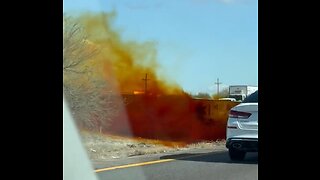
(236, 154)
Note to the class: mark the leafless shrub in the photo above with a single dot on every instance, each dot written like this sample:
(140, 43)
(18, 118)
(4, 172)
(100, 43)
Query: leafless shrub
(76, 49)
(92, 103)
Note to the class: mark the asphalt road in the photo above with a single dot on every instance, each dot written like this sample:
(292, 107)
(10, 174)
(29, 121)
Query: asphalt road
(190, 165)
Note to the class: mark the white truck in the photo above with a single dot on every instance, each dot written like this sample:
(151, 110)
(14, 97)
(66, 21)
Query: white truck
(240, 92)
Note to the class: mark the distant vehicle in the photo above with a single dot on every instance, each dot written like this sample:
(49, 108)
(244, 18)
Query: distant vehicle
(227, 99)
(242, 128)
(240, 92)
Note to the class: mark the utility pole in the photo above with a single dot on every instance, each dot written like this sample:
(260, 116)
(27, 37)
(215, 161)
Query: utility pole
(145, 83)
(218, 83)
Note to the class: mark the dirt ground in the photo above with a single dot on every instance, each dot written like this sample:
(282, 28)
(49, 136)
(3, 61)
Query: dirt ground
(107, 147)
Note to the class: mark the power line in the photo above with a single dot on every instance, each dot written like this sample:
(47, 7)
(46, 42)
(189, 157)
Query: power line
(145, 83)
(218, 83)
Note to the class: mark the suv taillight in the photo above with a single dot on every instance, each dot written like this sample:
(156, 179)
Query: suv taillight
(239, 114)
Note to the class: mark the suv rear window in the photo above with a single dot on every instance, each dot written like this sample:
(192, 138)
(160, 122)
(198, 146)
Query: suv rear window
(253, 98)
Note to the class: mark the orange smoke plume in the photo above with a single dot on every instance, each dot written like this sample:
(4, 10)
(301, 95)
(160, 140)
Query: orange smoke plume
(155, 107)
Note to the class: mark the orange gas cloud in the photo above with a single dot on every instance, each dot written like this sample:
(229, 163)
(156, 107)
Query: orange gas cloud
(154, 108)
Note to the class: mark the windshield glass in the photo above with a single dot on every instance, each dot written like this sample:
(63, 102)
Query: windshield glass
(144, 80)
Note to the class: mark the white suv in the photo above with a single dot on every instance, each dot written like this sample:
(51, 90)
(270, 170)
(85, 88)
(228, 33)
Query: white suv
(242, 128)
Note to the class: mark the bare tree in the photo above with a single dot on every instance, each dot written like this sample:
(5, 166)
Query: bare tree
(92, 107)
(90, 100)
(223, 94)
(202, 95)
(75, 46)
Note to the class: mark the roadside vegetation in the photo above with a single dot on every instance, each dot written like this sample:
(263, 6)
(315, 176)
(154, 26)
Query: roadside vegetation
(109, 147)
(90, 99)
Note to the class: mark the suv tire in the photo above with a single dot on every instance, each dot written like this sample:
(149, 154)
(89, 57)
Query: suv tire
(236, 154)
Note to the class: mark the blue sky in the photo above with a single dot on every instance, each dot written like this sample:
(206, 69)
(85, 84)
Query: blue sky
(197, 41)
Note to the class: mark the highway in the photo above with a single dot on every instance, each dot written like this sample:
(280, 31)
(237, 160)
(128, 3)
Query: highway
(187, 165)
